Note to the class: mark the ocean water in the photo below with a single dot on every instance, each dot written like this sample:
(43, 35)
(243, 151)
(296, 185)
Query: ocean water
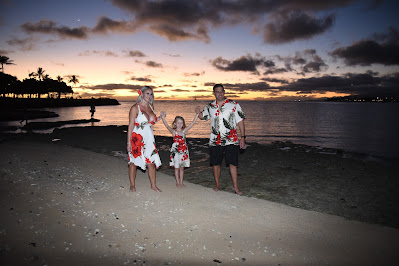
(365, 128)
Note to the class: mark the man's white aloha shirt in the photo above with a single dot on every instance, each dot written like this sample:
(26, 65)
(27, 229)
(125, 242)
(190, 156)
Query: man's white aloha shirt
(224, 121)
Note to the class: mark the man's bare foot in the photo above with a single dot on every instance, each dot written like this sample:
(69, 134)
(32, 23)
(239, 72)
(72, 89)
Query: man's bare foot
(237, 191)
(155, 188)
(216, 188)
(132, 189)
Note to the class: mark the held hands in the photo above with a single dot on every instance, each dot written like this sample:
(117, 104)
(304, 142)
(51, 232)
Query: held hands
(197, 110)
(163, 114)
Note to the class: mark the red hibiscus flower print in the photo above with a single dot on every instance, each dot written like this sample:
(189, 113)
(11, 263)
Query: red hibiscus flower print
(218, 140)
(217, 112)
(147, 160)
(185, 157)
(136, 151)
(234, 109)
(182, 148)
(177, 138)
(137, 143)
(233, 135)
(137, 140)
(136, 124)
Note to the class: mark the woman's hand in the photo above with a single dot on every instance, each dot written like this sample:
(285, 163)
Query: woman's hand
(129, 147)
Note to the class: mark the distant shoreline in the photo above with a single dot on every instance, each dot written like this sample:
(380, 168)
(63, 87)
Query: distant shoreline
(7, 103)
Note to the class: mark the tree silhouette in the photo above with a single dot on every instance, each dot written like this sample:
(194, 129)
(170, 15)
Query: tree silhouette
(73, 80)
(6, 83)
(59, 79)
(38, 74)
(4, 60)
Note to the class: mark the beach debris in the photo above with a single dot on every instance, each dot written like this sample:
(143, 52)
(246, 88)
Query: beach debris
(217, 261)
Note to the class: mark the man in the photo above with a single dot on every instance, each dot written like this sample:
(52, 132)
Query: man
(225, 116)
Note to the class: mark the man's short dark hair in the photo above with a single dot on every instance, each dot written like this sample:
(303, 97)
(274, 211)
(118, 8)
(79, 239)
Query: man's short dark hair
(217, 86)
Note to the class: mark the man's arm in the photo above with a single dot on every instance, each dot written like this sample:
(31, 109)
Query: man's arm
(241, 127)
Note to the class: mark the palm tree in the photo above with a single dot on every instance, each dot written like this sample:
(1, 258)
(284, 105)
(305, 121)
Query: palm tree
(59, 79)
(4, 60)
(73, 80)
(39, 73)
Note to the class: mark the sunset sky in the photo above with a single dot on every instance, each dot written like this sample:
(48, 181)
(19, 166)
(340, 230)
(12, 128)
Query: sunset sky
(264, 50)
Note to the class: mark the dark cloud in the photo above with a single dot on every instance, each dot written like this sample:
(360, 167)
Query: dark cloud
(135, 53)
(244, 63)
(275, 71)
(291, 25)
(307, 60)
(197, 74)
(153, 64)
(275, 80)
(102, 53)
(241, 87)
(26, 44)
(5, 52)
(382, 49)
(175, 33)
(50, 27)
(180, 20)
(105, 25)
(366, 84)
(180, 90)
(114, 86)
(141, 79)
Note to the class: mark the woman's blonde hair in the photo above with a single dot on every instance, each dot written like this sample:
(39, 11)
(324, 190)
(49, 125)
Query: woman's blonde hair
(174, 122)
(140, 98)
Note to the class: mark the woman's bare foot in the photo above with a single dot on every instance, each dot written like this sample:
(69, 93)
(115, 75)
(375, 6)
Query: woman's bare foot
(216, 188)
(155, 188)
(182, 185)
(177, 185)
(132, 189)
(237, 191)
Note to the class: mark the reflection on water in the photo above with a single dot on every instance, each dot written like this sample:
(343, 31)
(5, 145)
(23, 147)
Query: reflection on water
(360, 127)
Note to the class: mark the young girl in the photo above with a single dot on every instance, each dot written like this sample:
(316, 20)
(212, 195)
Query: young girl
(179, 157)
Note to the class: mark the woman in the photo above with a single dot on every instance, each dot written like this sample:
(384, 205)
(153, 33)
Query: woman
(140, 138)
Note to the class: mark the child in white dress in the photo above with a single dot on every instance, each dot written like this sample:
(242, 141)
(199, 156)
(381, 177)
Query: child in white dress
(179, 155)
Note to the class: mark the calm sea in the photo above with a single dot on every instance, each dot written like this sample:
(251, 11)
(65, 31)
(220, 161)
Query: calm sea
(369, 128)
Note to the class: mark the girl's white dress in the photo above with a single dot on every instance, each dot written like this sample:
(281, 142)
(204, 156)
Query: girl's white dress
(179, 156)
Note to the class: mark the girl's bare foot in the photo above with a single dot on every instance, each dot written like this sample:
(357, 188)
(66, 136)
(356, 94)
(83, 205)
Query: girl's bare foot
(132, 189)
(155, 188)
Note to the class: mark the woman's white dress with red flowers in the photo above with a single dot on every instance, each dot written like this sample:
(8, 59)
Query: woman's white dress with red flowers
(143, 143)
(179, 156)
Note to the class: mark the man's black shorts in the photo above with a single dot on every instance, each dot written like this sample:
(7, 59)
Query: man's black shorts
(229, 152)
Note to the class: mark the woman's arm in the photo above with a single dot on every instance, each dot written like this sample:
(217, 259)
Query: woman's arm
(132, 117)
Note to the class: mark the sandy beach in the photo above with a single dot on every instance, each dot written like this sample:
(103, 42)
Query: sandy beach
(67, 202)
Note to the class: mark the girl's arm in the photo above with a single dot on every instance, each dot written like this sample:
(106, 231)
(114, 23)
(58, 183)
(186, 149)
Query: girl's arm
(166, 124)
(192, 124)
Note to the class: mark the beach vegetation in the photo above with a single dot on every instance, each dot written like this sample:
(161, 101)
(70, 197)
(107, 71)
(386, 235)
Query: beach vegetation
(4, 60)
(35, 86)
